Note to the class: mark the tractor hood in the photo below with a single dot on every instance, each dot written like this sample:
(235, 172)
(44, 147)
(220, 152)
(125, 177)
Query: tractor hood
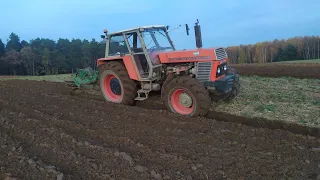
(209, 54)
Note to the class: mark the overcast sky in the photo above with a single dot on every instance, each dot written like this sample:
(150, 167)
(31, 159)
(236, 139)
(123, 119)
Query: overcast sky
(223, 22)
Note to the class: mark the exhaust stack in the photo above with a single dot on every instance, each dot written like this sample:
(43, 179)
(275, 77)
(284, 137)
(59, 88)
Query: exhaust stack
(197, 33)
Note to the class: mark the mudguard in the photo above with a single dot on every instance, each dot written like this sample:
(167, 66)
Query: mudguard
(225, 84)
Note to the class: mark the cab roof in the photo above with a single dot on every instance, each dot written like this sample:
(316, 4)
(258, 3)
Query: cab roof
(132, 29)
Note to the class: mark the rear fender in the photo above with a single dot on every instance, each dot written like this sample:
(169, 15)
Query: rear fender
(127, 61)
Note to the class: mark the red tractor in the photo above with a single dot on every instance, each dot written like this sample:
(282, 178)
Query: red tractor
(144, 59)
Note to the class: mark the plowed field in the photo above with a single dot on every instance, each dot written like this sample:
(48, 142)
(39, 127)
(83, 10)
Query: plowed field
(48, 133)
(297, 70)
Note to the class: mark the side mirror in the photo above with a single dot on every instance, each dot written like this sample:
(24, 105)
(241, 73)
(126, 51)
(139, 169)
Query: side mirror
(103, 36)
(187, 29)
(167, 28)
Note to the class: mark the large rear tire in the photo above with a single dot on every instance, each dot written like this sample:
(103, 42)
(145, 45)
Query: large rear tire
(187, 96)
(115, 83)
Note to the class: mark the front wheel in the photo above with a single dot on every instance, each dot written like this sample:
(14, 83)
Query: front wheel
(187, 96)
(235, 90)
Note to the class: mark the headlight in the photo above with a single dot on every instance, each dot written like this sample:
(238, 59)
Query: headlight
(218, 70)
(225, 67)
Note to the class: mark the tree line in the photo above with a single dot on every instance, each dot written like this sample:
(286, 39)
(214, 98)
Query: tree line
(43, 56)
(296, 48)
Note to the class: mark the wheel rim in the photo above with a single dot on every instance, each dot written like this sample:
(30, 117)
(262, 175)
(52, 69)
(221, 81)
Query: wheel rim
(182, 102)
(112, 88)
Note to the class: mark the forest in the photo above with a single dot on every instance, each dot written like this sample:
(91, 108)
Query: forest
(42, 56)
(296, 48)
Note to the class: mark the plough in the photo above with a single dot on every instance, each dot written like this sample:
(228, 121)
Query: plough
(82, 77)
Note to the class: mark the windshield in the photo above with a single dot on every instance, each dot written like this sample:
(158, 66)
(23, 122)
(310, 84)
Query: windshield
(156, 40)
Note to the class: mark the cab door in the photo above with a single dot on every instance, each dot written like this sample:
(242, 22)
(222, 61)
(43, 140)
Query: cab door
(137, 53)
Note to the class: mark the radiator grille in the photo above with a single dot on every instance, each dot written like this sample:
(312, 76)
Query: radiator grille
(204, 71)
(221, 53)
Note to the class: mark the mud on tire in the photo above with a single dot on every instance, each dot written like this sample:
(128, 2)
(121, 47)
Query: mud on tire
(128, 86)
(198, 93)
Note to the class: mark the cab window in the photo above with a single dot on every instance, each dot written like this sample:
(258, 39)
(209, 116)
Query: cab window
(134, 42)
(117, 45)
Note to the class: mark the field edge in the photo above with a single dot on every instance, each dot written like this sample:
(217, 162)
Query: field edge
(260, 122)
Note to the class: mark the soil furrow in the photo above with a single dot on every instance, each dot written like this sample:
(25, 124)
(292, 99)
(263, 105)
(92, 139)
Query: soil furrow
(57, 148)
(100, 137)
(137, 143)
(279, 70)
(16, 162)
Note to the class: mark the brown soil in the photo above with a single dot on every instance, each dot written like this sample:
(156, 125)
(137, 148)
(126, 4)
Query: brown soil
(279, 70)
(48, 133)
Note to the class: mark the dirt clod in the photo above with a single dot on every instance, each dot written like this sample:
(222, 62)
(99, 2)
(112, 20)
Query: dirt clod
(30, 161)
(269, 153)
(20, 149)
(126, 156)
(153, 173)
(307, 161)
(157, 176)
(117, 153)
(50, 167)
(194, 168)
(316, 149)
(59, 176)
(94, 166)
(139, 168)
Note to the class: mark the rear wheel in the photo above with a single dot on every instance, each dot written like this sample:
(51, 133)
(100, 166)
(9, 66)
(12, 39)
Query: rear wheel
(187, 96)
(115, 83)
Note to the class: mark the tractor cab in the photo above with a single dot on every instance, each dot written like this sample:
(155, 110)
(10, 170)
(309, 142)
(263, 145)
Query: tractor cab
(142, 44)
